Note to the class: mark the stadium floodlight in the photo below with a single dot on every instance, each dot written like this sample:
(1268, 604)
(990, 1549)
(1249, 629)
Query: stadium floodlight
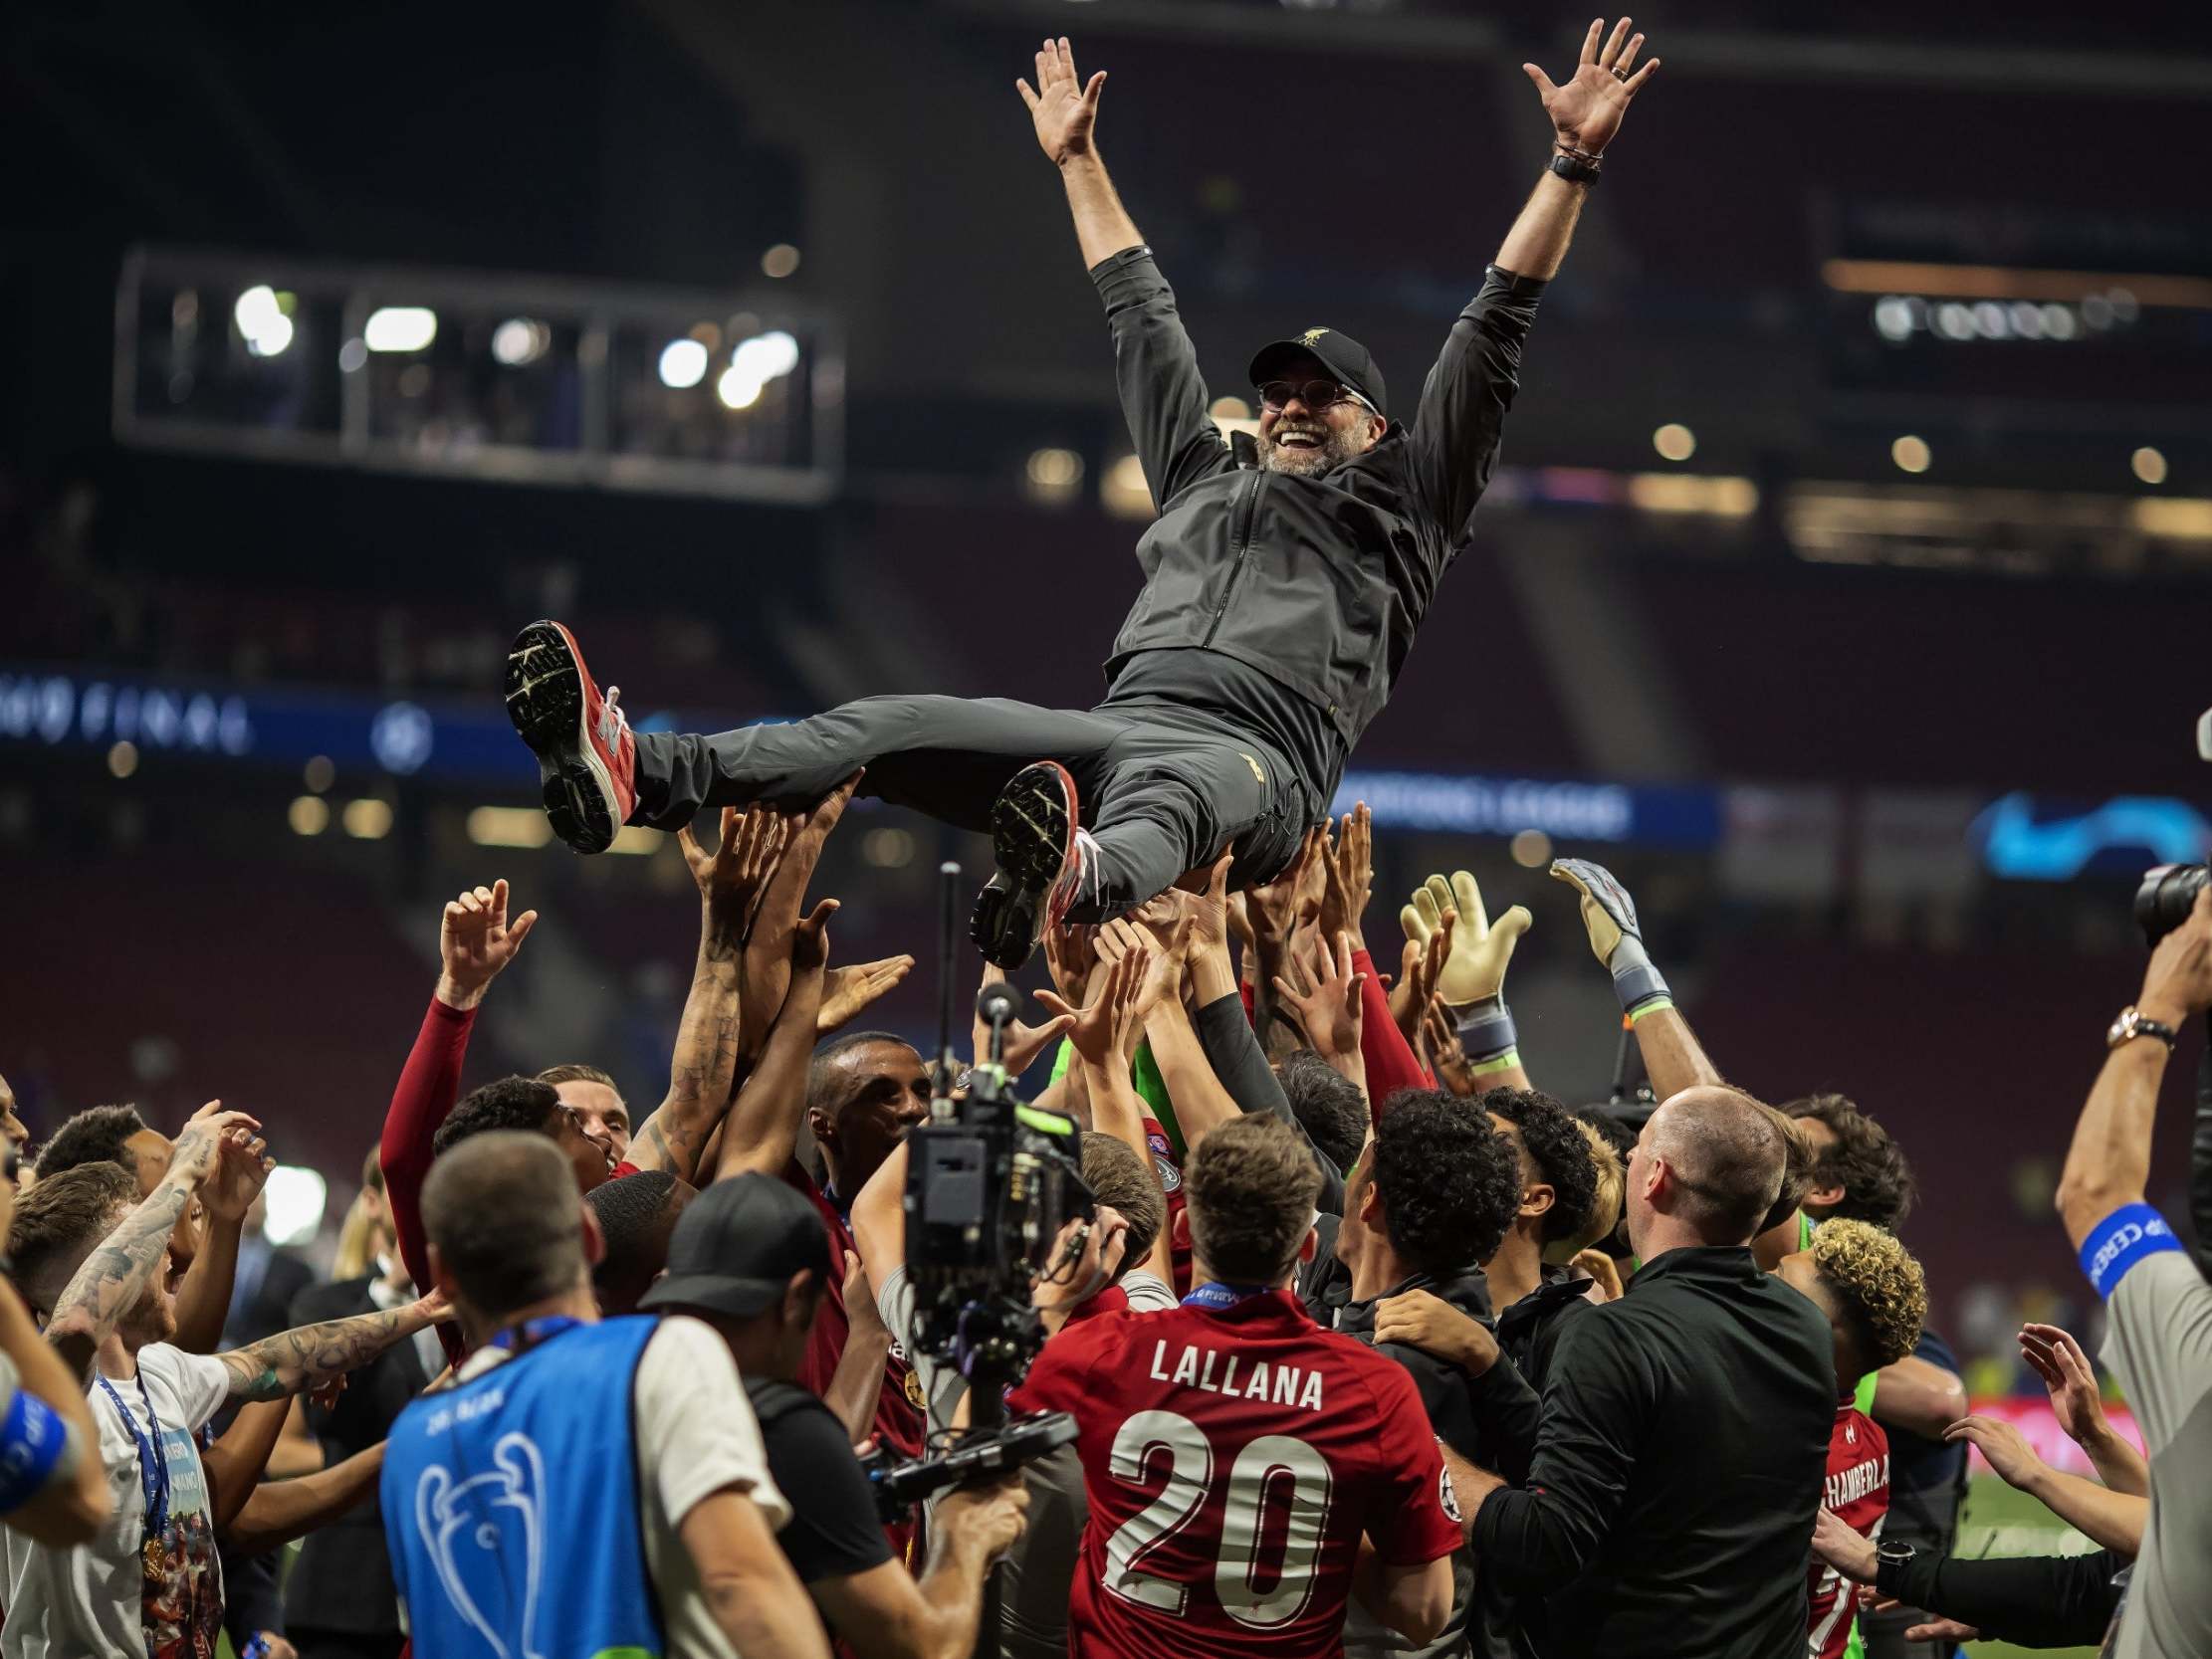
(401, 329)
(683, 365)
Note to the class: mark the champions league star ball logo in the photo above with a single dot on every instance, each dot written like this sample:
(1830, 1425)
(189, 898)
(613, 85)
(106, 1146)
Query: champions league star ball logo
(1171, 1179)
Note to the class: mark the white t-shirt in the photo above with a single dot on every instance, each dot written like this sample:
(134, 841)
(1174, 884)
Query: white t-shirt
(93, 1601)
(695, 1435)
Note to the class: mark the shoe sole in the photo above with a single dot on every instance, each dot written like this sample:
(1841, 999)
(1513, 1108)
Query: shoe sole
(1032, 841)
(546, 702)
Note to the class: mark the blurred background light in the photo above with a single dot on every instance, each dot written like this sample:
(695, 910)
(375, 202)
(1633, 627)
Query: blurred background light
(779, 261)
(1675, 440)
(401, 329)
(519, 341)
(683, 365)
(2148, 464)
(1912, 453)
(292, 1201)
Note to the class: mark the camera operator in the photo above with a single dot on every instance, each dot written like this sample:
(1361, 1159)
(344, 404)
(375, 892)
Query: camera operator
(2159, 1307)
(751, 1259)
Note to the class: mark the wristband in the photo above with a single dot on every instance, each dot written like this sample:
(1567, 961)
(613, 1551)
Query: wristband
(1486, 1032)
(1497, 1063)
(34, 1443)
(1657, 1002)
(2123, 1238)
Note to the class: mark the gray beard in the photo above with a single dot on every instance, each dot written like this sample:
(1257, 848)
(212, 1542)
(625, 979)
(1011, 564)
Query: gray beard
(1307, 463)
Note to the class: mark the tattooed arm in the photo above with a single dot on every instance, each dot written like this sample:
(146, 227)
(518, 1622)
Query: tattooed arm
(293, 1361)
(115, 1275)
(703, 1071)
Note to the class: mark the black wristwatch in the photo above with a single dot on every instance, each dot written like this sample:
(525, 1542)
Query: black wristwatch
(1891, 1560)
(1574, 170)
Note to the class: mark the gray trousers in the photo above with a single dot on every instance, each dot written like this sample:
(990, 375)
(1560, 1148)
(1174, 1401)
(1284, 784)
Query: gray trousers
(1162, 790)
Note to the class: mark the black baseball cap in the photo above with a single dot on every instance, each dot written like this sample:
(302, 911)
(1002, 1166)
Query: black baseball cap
(738, 1245)
(1342, 356)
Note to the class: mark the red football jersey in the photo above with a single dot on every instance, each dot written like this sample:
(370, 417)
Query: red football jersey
(1857, 1491)
(1231, 1460)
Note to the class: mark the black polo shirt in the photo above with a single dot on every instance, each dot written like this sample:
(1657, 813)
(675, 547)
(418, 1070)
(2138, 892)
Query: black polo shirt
(1670, 1506)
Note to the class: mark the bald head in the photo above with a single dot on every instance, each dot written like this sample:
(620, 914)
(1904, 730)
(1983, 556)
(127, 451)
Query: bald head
(505, 1222)
(1710, 1164)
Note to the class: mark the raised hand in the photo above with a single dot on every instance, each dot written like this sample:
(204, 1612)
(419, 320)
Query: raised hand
(731, 877)
(475, 941)
(1329, 1011)
(1064, 106)
(1348, 877)
(2057, 1358)
(2005, 1447)
(241, 1170)
(198, 1147)
(848, 991)
(1616, 936)
(1159, 975)
(810, 941)
(1586, 111)
(2178, 982)
(1096, 1029)
(1447, 1057)
(1475, 966)
(1427, 950)
(1276, 909)
(1024, 1043)
(1070, 957)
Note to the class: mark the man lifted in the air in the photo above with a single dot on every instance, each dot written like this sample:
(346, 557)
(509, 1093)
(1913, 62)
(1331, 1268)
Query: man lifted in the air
(1284, 580)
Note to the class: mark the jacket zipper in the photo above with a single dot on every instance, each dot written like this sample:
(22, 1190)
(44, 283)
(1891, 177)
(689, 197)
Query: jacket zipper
(1247, 506)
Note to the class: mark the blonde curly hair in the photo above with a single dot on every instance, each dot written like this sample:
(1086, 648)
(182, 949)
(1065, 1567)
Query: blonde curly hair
(1884, 1295)
(1605, 1208)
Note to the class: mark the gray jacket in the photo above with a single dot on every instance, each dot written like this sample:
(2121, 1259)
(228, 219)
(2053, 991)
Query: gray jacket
(1318, 582)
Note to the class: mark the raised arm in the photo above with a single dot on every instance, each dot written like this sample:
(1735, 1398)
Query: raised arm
(203, 1299)
(1472, 982)
(768, 943)
(2108, 1163)
(114, 1276)
(1671, 1055)
(704, 1067)
(294, 1361)
(1163, 394)
(763, 1121)
(475, 941)
(1453, 440)
(2057, 1358)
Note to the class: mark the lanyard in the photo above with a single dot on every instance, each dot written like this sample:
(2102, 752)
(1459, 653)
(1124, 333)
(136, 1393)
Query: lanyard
(519, 1339)
(153, 1462)
(1217, 1296)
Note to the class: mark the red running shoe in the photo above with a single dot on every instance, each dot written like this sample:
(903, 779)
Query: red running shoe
(586, 757)
(1044, 861)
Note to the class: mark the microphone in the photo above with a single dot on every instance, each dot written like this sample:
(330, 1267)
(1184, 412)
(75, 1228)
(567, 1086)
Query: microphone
(998, 1004)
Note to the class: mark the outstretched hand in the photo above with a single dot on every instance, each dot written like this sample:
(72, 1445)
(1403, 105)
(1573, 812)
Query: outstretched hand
(475, 941)
(733, 875)
(1473, 967)
(2054, 1356)
(1062, 105)
(848, 991)
(1024, 1043)
(1349, 877)
(1586, 111)
(1097, 1028)
(1329, 1011)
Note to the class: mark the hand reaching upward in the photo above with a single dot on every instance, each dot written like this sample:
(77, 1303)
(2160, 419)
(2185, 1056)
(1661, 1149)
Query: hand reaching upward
(1586, 111)
(475, 941)
(1065, 107)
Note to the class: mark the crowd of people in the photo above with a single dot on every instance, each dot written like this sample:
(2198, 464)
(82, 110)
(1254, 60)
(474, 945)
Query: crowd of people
(1369, 1344)
(1359, 1342)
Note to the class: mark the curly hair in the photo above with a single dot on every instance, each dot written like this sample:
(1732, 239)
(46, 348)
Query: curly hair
(1606, 1201)
(518, 1102)
(1865, 1162)
(94, 1135)
(1451, 1184)
(1877, 1285)
(1328, 1106)
(1558, 1153)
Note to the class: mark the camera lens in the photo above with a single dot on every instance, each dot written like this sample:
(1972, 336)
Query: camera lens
(2166, 897)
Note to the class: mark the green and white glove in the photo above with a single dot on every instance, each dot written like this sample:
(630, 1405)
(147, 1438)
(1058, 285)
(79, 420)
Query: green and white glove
(1608, 915)
(1472, 983)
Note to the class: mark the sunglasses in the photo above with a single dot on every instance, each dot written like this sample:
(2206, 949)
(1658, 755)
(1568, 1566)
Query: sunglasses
(1277, 395)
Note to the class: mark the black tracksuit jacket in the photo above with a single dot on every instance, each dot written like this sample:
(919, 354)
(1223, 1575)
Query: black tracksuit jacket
(1317, 582)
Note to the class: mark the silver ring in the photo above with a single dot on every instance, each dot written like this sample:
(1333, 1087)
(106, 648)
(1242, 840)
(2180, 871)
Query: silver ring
(1619, 74)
